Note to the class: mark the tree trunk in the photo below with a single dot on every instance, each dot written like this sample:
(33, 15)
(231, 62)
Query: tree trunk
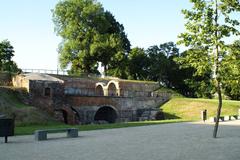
(218, 110)
(218, 80)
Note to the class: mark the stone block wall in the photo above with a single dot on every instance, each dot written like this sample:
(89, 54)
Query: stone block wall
(20, 81)
(46, 94)
(127, 108)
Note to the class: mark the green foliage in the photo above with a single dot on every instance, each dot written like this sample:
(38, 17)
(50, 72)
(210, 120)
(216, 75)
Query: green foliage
(208, 24)
(138, 64)
(159, 64)
(231, 65)
(11, 105)
(90, 35)
(6, 54)
(197, 66)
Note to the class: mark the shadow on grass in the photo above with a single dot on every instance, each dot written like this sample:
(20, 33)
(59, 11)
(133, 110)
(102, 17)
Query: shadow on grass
(170, 116)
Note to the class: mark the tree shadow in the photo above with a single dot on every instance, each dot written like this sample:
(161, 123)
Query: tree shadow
(170, 116)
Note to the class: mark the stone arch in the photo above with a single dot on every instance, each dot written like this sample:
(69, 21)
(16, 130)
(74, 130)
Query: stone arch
(66, 115)
(100, 89)
(113, 88)
(106, 113)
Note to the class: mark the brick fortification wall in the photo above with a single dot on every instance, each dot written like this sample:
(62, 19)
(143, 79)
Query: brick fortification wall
(87, 100)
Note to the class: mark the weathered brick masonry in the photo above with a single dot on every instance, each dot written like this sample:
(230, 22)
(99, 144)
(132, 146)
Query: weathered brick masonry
(89, 100)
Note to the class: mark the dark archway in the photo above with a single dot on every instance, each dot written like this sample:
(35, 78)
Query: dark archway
(99, 91)
(112, 90)
(61, 115)
(106, 114)
(65, 116)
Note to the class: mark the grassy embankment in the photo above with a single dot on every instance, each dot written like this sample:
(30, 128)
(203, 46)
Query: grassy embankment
(190, 108)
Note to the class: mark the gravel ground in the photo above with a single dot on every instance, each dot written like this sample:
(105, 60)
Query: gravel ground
(179, 141)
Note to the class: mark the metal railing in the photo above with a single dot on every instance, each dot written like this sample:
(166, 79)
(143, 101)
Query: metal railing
(65, 72)
(45, 71)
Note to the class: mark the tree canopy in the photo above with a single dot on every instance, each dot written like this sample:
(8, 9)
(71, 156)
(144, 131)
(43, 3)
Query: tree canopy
(6, 55)
(231, 65)
(90, 35)
(208, 24)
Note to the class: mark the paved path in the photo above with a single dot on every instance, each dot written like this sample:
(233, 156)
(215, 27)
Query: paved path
(180, 141)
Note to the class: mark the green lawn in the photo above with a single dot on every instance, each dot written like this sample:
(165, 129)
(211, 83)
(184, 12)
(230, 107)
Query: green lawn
(29, 129)
(190, 108)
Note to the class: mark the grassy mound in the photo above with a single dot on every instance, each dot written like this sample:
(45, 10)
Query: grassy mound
(190, 108)
(11, 105)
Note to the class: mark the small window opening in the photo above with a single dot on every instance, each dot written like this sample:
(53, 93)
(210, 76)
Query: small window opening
(47, 92)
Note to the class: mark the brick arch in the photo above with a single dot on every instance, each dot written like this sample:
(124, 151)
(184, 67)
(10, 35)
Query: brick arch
(106, 113)
(113, 88)
(68, 116)
(100, 89)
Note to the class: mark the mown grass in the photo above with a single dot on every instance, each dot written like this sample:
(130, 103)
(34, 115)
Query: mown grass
(29, 129)
(8, 95)
(190, 108)
(11, 106)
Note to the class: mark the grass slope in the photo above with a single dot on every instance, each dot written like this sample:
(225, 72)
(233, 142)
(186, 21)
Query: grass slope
(190, 108)
(10, 105)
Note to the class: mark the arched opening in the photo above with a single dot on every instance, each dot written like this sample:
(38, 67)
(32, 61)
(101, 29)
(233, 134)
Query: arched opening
(112, 90)
(106, 114)
(99, 91)
(61, 115)
(65, 116)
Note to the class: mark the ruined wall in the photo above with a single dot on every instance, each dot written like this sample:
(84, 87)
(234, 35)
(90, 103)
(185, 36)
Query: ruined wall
(118, 87)
(20, 81)
(87, 100)
(137, 89)
(127, 108)
(47, 95)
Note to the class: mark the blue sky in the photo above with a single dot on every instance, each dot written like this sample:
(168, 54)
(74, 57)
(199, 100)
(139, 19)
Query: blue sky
(28, 25)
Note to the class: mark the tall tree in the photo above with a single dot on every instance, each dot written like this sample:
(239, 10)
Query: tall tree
(6, 55)
(208, 24)
(90, 35)
(138, 63)
(119, 47)
(199, 81)
(158, 65)
(161, 58)
(231, 65)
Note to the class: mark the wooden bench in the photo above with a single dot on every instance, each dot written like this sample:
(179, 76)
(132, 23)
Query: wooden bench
(42, 134)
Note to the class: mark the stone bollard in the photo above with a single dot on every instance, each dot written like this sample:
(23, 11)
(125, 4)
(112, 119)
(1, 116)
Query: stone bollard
(204, 115)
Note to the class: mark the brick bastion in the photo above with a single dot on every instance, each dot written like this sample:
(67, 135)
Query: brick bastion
(92, 100)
